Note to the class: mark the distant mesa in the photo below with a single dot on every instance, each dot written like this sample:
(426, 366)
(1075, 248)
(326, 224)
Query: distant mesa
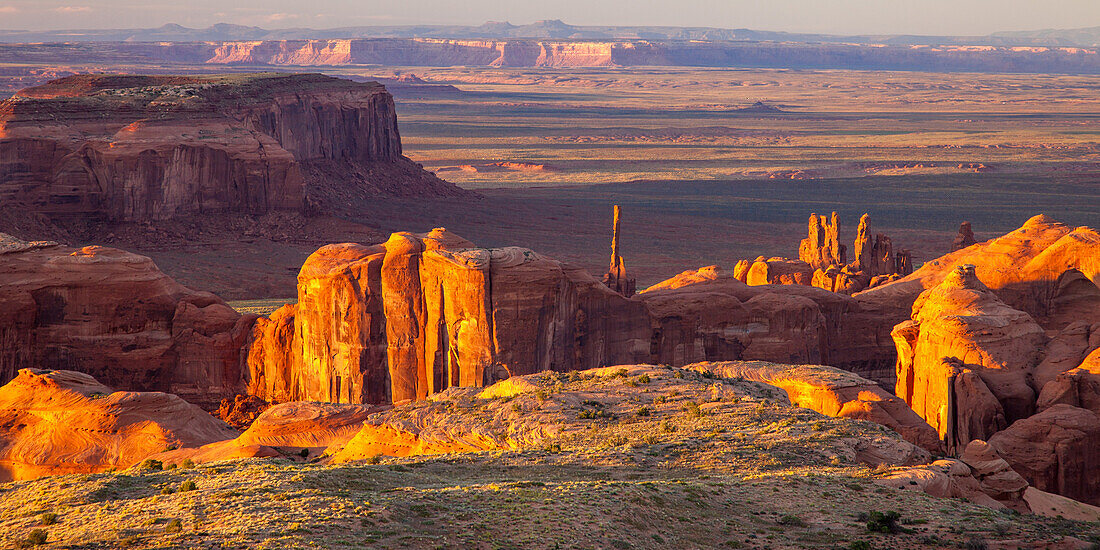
(136, 148)
(761, 108)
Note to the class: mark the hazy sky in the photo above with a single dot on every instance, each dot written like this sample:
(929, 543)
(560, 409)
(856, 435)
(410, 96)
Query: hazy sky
(825, 16)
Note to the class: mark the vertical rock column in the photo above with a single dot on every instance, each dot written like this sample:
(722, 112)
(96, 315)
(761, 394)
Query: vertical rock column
(617, 278)
(403, 302)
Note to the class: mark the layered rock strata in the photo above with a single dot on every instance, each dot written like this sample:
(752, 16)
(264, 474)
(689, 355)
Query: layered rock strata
(135, 148)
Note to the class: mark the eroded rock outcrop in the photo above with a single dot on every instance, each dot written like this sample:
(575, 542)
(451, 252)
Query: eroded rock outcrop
(965, 238)
(822, 248)
(64, 422)
(965, 359)
(834, 392)
(1057, 450)
(115, 316)
(132, 148)
(617, 277)
(423, 313)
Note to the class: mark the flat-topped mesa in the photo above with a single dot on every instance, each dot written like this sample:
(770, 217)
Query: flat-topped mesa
(617, 278)
(965, 237)
(153, 147)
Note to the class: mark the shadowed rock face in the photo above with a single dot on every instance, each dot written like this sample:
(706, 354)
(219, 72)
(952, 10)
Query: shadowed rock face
(64, 422)
(423, 313)
(1057, 450)
(146, 148)
(114, 315)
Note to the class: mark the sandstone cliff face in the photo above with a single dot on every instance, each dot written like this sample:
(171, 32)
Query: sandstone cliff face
(962, 347)
(146, 148)
(64, 422)
(1057, 450)
(114, 315)
(423, 313)
(710, 315)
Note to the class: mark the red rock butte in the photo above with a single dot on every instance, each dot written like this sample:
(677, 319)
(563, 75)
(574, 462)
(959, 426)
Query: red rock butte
(129, 148)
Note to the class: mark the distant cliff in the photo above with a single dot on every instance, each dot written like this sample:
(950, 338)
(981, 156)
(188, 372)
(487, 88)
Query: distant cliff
(517, 52)
(145, 148)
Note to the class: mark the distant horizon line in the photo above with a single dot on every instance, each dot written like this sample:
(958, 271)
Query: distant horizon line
(537, 23)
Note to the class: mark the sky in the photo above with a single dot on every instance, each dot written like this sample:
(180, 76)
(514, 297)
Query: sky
(936, 17)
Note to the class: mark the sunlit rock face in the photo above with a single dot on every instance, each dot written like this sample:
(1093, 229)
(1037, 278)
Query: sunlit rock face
(138, 148)
(422, 313)
(65, 422)
(114, 315)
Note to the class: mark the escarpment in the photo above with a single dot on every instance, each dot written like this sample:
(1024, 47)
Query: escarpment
(138, 148)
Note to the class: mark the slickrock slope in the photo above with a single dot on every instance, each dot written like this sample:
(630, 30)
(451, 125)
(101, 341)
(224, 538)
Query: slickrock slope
(115, 316)
(63, 422)
(636, 456)
(1041, 268)
(559, 408)
(965, 359)
(422, 313)
(834, 392)
(296, 430)
(154, 147)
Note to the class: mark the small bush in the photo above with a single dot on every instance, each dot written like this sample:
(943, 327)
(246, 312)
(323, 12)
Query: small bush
(188, 463)
(879, 522)
(174, 526)
(167, 491)
(860, 545)
(48, 518)
(374, 459)
(643, 379)
(650, 439)
(659, 399)
(34, 538)
(975, 543)
(678, 374)
(304, 453)
(642, 411)
(151, 464)
(708, 375)
(188, 486)
(692, 409)
(619, 373)
(791, 520)
(667, 427)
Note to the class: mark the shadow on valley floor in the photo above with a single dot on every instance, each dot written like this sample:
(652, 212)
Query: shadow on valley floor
(669, 227)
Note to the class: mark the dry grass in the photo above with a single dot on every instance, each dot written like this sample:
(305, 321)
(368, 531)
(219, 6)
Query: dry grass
(748, 472)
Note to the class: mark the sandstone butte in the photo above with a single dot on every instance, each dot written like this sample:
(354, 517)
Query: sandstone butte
(419, 314)
(115, 316)
(138, 148)
(60, 422)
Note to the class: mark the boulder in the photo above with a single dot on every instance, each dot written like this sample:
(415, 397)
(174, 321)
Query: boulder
(65, 422)
(780, 271)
